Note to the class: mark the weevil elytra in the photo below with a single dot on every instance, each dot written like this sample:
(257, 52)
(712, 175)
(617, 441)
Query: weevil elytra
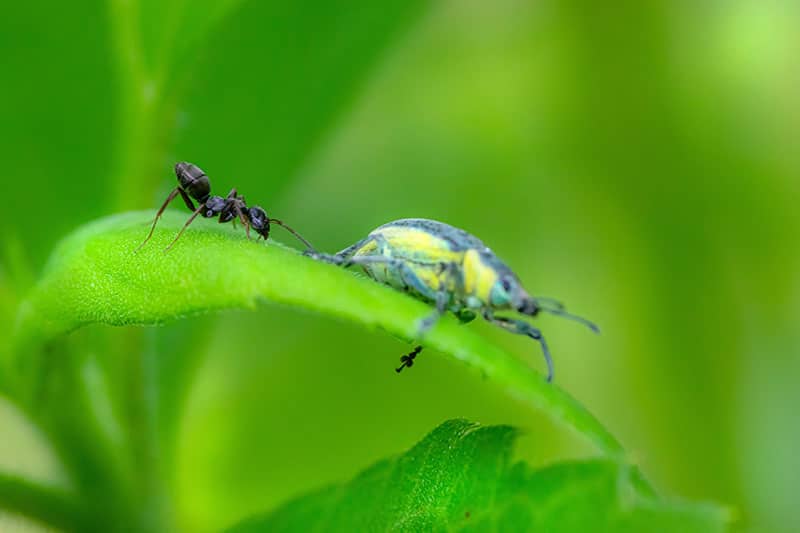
(451, 269)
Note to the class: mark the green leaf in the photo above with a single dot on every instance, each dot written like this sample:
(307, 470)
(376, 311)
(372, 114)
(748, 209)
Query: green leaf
(461, 477)
(94, 276)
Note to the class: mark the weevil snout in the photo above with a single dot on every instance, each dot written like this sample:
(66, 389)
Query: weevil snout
(528, 306)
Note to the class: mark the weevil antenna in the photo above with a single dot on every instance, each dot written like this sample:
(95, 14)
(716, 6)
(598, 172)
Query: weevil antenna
(570, 316)
(293, 232)
(548, 301)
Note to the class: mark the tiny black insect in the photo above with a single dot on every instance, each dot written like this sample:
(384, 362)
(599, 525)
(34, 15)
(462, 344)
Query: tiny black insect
(194, 184)
(408, 359)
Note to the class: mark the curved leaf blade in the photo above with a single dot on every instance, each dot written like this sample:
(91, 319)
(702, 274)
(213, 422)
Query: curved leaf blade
(94, 276)
(461, 478)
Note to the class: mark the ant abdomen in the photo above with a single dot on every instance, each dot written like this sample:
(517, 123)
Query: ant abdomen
(193, 180)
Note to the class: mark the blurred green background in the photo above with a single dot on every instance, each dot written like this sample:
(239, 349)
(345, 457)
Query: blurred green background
(637, 160)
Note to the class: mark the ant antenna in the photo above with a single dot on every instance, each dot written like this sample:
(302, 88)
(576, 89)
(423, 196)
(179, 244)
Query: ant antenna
(408, 360)
(293, 232)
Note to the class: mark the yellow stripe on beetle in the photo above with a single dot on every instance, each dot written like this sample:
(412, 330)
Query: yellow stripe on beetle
(479, 278)
(416, 243)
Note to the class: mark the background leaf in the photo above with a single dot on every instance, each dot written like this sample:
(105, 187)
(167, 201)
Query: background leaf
(461, 477)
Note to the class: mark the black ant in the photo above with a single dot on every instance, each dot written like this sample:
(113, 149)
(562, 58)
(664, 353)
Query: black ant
(193, 183)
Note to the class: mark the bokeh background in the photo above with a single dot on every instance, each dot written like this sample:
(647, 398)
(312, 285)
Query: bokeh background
(637, 160)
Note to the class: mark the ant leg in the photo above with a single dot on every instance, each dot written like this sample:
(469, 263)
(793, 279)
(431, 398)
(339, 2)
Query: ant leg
(243, 218)
(186, 199)
(523, 328)
(191, 218)
(408, 359)
(171, 197)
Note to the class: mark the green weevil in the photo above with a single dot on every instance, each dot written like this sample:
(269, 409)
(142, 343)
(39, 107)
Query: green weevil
(452, 269)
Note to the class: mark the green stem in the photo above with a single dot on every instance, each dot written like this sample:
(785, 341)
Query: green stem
(143, 433)
(48, 505)
(144, 120)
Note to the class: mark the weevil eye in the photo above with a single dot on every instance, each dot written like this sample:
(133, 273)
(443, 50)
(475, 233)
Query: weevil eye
(501, 293)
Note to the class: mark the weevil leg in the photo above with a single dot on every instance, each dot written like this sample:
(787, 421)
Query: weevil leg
(410, 278)
(407, 274)
(521, 327)
(442, 299)
(344, 257)
(351, 250)
(347, 257)
(341, 258)
(325, 258)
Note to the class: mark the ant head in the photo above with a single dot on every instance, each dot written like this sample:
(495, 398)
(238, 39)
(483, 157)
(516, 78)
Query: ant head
(214, 206)
(193, 180)
(259, 221)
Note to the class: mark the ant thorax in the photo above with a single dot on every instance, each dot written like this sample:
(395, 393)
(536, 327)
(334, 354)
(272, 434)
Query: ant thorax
(213, 206)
